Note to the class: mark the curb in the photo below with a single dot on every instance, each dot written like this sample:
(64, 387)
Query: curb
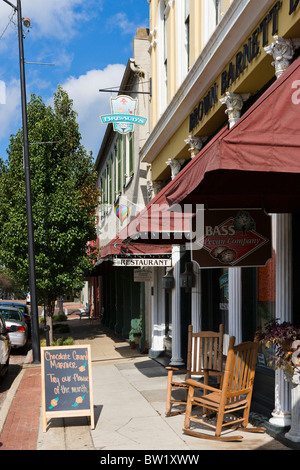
(13, 390)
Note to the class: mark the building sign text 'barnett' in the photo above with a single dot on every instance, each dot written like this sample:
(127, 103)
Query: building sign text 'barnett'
(123, 115)
(248, 52)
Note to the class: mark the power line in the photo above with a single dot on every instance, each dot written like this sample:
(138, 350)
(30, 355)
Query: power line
(10, 21)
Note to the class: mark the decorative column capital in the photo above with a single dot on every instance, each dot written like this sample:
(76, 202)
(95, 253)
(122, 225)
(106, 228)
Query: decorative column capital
(195, 143)
(175, 166)
(153, 188)
(282, 50)
(234, 103)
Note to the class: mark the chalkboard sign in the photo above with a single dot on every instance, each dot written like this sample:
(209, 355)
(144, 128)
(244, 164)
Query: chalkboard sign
(66, 382)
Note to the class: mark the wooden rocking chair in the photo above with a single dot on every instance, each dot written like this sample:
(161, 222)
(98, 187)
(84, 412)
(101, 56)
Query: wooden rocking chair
(205, 353)
(234, 394)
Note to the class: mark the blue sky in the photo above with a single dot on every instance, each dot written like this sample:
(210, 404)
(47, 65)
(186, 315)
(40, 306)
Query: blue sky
(88, 41)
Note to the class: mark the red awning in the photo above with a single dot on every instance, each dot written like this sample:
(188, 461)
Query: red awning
(119, 247)
(256, 163)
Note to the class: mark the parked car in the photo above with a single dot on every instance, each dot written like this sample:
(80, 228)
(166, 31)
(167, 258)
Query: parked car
(24, 309)
(5, 347)
(28, 298)
(16, 326)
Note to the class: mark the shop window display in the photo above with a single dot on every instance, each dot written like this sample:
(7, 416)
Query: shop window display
(266, 301)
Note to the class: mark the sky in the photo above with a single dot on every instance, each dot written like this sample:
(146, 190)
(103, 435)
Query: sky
(87, 44)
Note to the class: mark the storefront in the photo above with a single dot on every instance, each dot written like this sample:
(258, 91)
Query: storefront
(246, 160)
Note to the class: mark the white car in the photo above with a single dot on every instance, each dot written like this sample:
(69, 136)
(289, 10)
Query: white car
(28, 298)
(5, 347)
(16, 326)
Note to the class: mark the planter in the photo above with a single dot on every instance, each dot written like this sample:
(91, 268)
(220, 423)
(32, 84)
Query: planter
(294, 433)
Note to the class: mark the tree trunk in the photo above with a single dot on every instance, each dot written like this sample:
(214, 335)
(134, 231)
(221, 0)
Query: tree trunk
(50, 306)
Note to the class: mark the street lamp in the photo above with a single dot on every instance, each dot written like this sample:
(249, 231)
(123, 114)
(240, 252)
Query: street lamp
(31, 255)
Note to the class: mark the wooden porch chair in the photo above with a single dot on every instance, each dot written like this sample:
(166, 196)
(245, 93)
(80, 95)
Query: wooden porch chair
(234, 394)
(205, 353)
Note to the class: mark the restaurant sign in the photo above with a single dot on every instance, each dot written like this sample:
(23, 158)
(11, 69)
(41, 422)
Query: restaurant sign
(123, 115)
(149, 262)
(233, 238)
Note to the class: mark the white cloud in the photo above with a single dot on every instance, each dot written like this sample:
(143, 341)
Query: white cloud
(90, 104)
(10, 112)
(55, 18)
(121, 21)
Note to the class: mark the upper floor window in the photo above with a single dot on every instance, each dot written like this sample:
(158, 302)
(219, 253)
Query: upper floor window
(162, 58)
(187, 34)
(212, 12)
(117, 172)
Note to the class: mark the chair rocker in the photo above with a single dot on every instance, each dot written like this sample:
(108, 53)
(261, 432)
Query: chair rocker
(234, 395)
(205, 353)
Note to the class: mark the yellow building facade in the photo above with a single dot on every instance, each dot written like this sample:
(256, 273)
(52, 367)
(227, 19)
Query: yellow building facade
(203, 52)
(201, 49)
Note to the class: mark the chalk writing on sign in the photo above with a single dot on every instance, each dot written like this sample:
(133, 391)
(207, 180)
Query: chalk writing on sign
(66, 375)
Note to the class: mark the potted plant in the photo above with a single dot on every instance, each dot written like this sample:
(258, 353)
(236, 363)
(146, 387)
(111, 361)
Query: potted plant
(281, 336)
(285, 339)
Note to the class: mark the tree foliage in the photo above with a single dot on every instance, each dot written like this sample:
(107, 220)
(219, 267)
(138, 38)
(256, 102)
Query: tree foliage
(64, 199)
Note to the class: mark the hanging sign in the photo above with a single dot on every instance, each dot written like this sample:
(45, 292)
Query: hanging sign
(143, 275)
(66, 382)
(149, 262)
(123, 115)
(232, 238)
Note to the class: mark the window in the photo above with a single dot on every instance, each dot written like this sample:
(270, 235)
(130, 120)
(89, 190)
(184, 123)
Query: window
(104, 187)
(117, 173)
(110, 181)
(162, 60)
(118, 167)
(131, 154)
(187, 33)
(124, 153)
(266, 302)
(212, 12)
(165, 51)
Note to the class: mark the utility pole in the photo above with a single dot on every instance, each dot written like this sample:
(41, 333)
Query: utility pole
(31, 254)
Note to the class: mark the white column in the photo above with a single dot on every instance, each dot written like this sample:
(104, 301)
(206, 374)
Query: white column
(158, 315)
(234, 103)
(196, 299)
(235, 304)
(176, 327)
(283, 250)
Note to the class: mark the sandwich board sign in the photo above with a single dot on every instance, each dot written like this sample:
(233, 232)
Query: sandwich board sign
(66, 383)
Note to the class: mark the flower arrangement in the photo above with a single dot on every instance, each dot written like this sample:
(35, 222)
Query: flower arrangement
(280, 336)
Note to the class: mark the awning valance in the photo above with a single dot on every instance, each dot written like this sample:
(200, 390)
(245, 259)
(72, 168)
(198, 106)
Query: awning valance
(119, 247)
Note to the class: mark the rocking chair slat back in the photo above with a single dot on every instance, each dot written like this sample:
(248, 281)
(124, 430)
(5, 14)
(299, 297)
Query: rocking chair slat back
(205, 351)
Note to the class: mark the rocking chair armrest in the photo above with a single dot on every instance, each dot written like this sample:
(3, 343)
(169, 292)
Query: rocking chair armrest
(213, 372)
(194, 383)
(179, 369)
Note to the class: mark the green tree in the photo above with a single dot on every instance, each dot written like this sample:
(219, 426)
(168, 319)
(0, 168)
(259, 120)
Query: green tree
(64, 200)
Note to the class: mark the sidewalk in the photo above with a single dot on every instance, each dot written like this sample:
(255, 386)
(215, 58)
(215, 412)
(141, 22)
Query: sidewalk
(129, 391)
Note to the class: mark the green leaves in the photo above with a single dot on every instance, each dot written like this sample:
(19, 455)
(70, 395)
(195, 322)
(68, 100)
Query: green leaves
(64, 199)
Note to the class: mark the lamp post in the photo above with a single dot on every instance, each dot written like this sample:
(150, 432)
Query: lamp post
(31, 254)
